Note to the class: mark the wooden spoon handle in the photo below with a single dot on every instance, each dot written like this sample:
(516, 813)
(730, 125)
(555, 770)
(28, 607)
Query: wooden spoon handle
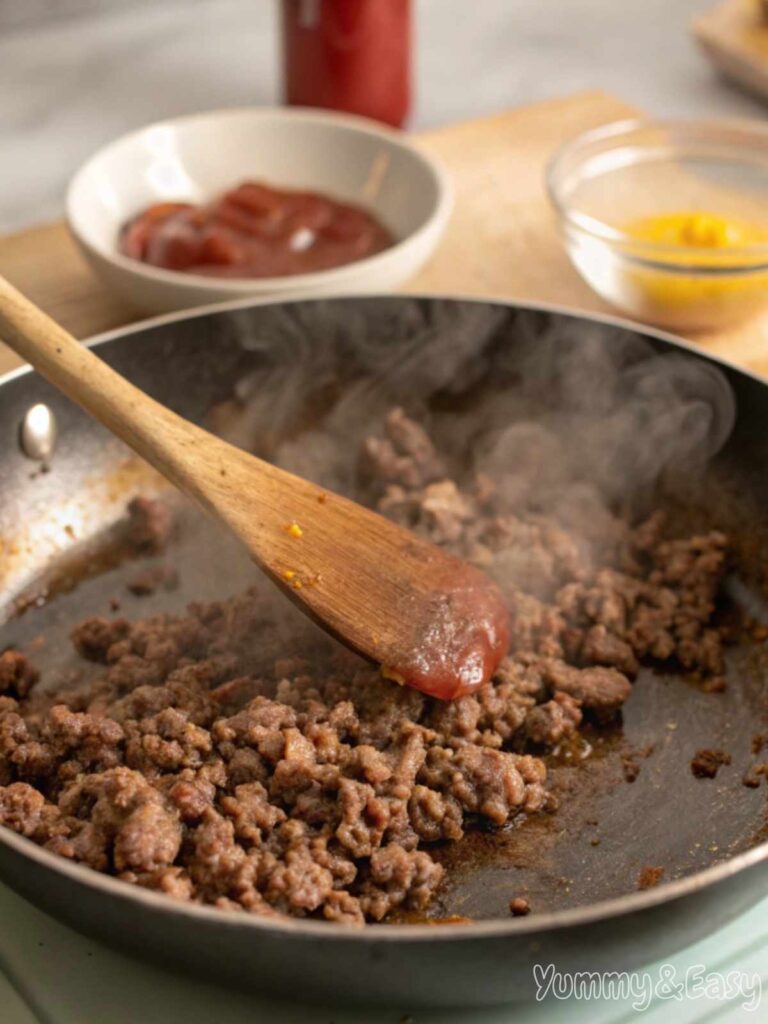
(164, 439)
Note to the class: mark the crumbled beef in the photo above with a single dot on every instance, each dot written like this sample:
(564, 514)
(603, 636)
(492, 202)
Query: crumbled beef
(600, 689)
(253, 816)
(150, 523)
(216, 863)
(496, 784)
(217, 760)
(342, 907)
(17, 675)
(600, 647)
(754, 774)
(166, 742)
(552, 721)
(148, 839)
(95, 637)
(364, 818)
(94, 742)
(191, 795)
(519, 906)
(156, 577)
(630, 767)
(406, 456)
(398, 878)
(435, 816)
(536, 626)
(173, 882)
(706, 763)
(118, 820)
(714, 684)
(21, 808)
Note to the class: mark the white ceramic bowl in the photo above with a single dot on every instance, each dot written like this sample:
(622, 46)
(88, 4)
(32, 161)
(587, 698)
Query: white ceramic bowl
(197, 157)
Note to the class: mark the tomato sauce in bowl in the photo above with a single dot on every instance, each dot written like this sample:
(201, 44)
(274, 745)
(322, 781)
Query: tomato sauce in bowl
(254, 230)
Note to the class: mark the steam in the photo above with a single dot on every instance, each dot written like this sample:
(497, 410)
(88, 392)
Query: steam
(553, 408)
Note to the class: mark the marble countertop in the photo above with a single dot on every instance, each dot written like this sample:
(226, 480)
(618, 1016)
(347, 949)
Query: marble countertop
(71, 84)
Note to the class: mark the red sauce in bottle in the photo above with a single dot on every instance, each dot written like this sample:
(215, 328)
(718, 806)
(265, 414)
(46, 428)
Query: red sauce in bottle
(254, 231)
(351, 55)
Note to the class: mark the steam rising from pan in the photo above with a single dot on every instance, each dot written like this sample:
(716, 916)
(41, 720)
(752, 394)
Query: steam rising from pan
(544, 404)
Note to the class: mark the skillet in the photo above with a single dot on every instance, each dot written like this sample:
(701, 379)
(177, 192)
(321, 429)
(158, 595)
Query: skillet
(294, 364)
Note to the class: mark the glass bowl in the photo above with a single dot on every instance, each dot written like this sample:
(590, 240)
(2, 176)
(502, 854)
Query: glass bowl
(668, 220)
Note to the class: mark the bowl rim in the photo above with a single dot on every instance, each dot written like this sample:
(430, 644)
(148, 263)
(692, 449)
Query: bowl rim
(436, 219)
(644, 253)
(624, 905)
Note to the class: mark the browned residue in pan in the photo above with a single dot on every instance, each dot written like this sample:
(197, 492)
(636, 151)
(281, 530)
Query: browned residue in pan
(54, 530)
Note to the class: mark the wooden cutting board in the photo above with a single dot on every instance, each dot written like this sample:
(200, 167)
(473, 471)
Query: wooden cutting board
(734, 35)
(501, 241)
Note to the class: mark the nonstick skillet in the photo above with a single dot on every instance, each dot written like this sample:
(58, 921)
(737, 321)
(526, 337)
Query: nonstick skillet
(295, 363)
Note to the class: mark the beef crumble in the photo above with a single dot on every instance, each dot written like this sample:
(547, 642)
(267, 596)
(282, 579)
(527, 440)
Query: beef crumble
(156, 577)
(705, 764)
(216, 760)
(754, 774)
(519, 906)
(150, 524)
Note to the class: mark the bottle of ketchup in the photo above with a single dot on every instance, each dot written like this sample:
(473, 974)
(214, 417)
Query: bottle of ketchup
(351, 55)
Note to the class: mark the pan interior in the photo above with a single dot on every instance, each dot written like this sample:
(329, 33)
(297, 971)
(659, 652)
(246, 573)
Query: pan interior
(290, 382)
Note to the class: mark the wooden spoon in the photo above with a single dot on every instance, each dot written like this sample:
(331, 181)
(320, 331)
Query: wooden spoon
(429, 619)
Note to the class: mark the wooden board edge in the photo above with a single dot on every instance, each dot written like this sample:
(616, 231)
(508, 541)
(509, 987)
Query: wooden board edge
(719, 33)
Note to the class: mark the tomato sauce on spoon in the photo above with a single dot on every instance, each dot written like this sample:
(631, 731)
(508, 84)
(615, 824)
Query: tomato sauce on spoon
(468, 635)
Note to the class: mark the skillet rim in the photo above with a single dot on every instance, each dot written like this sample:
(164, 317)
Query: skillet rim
(557, 920)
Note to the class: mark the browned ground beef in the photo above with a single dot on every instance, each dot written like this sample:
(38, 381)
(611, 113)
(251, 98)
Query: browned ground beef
(705, 764)
(157, 577)
(519, 906)
(216, 759)
(150, 523)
